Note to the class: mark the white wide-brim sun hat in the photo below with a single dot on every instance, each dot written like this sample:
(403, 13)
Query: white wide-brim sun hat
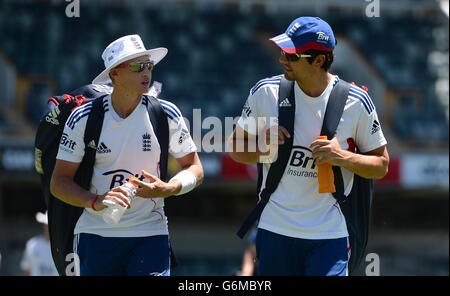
(124, 49)
(42, 217)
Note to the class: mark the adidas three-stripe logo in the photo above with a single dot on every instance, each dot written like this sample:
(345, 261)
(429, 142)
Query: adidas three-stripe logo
(92, 145)
(375, 127)
(285, 103)
(103, 149)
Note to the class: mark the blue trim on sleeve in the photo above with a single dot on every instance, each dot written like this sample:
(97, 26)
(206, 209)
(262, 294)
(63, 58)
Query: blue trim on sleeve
(78, 114)
(363, 97)
(272, 80)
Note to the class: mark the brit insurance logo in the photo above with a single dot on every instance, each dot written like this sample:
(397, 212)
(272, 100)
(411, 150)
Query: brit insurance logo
(146, 142)
(301, 163)
(322, 37)
(120, 177)
(67, 144)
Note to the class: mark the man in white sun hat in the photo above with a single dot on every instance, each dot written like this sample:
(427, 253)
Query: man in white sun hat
(37, 258)
(139, 243)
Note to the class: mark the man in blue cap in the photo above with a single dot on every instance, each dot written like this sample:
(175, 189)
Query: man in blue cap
(302, 231)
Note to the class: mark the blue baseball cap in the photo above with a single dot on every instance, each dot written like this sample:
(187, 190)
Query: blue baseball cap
(306, 33)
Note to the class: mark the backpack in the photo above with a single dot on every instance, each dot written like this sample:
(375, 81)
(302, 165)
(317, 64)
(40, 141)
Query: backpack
(355, 207)
(63, 217)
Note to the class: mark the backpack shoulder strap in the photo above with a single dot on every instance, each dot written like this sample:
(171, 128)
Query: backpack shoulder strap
(357, 205)
(335, 108)
(286, 118)
(160, 123)
(91, 138)
(333, 114)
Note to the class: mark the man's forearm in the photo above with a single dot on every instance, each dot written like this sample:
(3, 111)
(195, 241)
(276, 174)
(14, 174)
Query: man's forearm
(245, 157)
(366, 166)
(196, 170)
(242, 151)
(71, 193)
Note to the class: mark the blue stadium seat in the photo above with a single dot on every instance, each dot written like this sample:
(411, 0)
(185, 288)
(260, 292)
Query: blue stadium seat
(214, 54)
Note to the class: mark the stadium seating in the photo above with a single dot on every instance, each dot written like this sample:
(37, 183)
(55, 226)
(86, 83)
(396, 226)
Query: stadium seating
(216, 56)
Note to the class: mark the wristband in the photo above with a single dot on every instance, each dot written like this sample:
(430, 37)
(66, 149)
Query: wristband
(187, 180)
(93, 202)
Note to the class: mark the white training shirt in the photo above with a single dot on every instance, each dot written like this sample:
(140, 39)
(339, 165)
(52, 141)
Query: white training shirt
(296, 209)
(126, 147)
(37, 257)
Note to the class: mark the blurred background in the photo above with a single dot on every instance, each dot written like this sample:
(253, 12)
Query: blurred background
(218, 49)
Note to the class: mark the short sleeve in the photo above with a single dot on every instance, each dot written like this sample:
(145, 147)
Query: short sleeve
(369, 134)
(260, 110)
(249, 116)
(71, 146)
(180, 140)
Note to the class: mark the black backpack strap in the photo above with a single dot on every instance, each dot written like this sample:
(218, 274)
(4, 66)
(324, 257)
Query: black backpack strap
(286, 118)
(158, 118)
(357, 205)
(91, 138)
(333, 114)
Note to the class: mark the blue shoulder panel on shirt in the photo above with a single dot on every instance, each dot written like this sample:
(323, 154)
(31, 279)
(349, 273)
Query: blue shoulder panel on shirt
(271, 80)
(359, 94)
(172, 111)
(83, 111)
(79, 113)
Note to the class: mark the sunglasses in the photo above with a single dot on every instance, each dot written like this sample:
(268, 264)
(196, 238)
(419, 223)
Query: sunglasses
(138, 66)
(293, 57)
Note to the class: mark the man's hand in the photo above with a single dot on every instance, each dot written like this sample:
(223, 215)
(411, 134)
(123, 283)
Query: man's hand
(371, 165)
(156, 187)
(275, 135)
(272, 137)
(118, 195)
(250, 149)
(63, 187)
(328, 151)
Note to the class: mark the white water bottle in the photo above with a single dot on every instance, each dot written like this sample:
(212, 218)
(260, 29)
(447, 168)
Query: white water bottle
(114, 212)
